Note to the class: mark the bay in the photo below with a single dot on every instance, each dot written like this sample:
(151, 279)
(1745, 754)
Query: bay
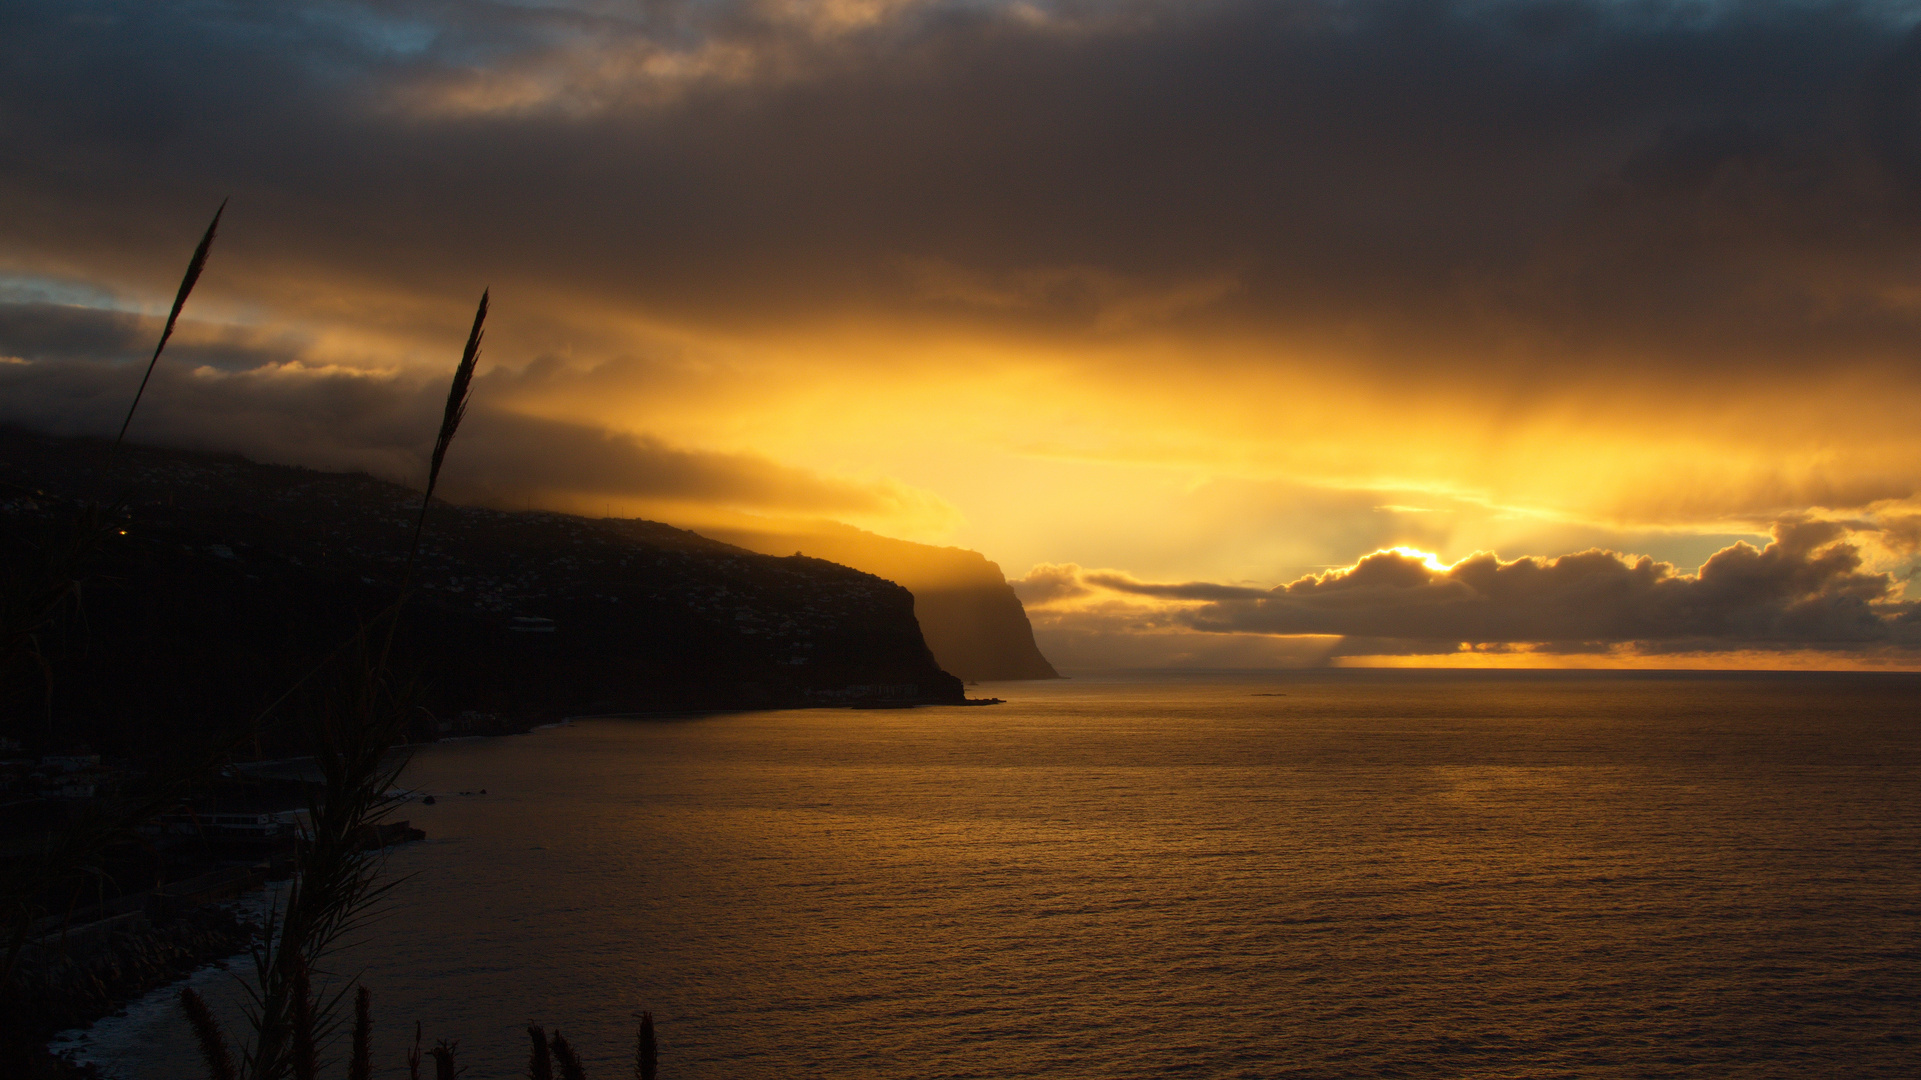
(1301, 874)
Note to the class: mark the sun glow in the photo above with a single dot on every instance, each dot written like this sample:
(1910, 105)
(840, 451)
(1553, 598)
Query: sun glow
(762, 265)
(1426, 558)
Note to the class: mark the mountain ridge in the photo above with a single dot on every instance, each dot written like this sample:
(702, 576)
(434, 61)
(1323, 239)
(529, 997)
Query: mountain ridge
(223, 578)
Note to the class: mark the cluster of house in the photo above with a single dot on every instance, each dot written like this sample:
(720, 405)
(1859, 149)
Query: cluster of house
(53, 776)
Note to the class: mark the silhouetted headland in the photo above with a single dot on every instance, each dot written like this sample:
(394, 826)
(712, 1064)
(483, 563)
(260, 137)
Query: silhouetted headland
(969, 613)
(227, 578)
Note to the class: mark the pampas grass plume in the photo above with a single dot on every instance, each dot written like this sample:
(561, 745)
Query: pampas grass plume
(194, 266)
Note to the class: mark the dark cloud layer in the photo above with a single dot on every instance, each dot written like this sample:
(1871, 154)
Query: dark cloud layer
(1805, 588)
(73, 371)
(1191, 590)
(1688, 186)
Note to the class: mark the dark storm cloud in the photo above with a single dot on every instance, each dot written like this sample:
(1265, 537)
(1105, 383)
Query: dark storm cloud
(1191, 590)
(68, 370)
(1805, 588)
(507, 453)
(1902, 533)
(1684, 182)
(1049, 583)
(38, 331)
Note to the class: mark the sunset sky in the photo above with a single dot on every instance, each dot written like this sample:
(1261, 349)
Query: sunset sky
(1159, 304)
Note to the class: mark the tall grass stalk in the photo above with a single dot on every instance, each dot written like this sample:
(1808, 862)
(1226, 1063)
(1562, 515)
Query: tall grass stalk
(29, 605)
(206, 1032)
(194, 266)
(32, 599)
(565, 1057)
(456, 410)
(443, 1053)
(540, 1063)
(357, 722)
(646, 1050)
(361, 1065)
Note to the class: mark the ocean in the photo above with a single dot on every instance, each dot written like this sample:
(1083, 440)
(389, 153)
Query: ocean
(1298, 874)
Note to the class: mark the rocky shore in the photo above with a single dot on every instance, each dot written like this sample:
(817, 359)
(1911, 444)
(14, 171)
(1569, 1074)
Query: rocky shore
(55, 988)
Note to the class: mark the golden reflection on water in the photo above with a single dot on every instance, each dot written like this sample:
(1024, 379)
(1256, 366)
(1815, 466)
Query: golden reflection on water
(1375, 874)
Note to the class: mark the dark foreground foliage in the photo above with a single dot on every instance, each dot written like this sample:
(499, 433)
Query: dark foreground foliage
(180, 611)
(552, 1056)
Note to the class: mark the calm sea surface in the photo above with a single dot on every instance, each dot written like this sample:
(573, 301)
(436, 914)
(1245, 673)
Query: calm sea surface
(1301, 875)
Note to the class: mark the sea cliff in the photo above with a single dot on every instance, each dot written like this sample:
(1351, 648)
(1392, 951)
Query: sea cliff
(223, 579)
(967, 610)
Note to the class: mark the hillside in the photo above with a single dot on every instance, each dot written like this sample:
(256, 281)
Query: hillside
(225, 578)
(970, 616)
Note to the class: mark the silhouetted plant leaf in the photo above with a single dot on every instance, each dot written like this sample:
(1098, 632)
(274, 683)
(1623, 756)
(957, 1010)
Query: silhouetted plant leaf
(443, 1053)
(206, 1032)
(540, 1066)
(646, 1054)
(565, 1057)
(194, 266)
(361, 1066)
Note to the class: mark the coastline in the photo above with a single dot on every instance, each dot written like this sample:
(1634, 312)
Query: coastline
(78, 988)
(127, 966)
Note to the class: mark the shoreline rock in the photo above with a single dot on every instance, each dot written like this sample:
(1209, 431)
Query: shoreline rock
(65, 989)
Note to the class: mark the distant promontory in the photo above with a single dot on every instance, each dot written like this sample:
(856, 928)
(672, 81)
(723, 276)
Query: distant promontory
(224, 579)
(967, 610)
